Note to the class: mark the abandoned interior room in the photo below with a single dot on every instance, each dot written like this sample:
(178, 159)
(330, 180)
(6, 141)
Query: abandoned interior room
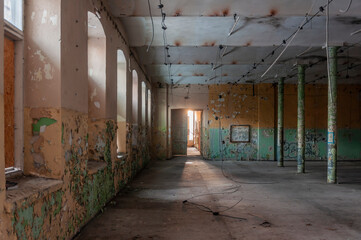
(178, 119)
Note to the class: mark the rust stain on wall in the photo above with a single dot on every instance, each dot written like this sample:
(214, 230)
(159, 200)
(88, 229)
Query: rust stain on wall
(177, 43)
(273, 12)
(249, 43)
(178, 12)
(225, 12)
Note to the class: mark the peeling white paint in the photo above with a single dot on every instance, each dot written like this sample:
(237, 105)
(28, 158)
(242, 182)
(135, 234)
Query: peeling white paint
(41, 56)
(91, 71)
(38, 76)
(47, 71)
(33, 16)
(43, 19)
(97, 104)
(42, 128)
(54, 20)
(70, 138)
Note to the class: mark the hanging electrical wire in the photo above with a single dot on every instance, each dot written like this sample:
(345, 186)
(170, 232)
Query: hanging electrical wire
(347, 8)
(291, 40)
(338, 72)
(151, 18)
(310, 65)
(272, 53)
(165, 44)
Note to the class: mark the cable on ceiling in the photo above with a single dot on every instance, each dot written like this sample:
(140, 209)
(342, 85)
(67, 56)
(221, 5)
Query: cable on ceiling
(270, 54)
(151, 18)
(347, 8)
(289, 42)
(165, 44)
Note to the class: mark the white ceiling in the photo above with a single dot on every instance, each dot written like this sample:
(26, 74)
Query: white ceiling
(196, 29)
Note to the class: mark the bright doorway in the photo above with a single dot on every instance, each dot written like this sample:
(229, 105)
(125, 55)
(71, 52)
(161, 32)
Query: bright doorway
(186, 131)
(194, 133)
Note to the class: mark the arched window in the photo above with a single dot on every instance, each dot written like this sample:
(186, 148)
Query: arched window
(96, 80)
(144, 90)
(135, 97)
(121, 101)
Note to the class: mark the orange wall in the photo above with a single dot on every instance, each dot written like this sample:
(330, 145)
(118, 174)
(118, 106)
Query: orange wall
(237, 105)
(234, 103)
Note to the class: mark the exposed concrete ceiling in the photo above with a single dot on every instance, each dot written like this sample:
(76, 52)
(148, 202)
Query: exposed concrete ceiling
(196, 29)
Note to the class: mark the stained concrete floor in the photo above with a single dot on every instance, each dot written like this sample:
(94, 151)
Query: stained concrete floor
(192, 151)
(276, 203)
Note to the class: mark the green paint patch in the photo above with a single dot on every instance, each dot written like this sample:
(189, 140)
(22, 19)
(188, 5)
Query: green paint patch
(233, 151)
(42, 122)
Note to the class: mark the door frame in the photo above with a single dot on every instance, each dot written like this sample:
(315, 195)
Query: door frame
(170, 127)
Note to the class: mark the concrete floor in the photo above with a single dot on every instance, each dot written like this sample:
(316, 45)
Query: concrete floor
(276, 203)
(192, 151)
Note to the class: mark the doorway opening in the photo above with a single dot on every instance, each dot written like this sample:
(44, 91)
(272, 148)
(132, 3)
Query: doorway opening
(194, 133)
(186, 125)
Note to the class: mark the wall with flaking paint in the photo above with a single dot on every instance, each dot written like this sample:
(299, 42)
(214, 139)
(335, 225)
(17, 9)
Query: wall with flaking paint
(256, 106)
(182, 97)
(57, 131)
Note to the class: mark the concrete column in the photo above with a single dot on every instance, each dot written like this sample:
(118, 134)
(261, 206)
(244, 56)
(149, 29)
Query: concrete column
(332, 113)
(280, 122)
(301, 120)
(43, 89)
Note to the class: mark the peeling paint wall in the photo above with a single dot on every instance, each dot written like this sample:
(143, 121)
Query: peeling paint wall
(183, 97)
(256, 106)
(232, 105)
(159, 131)
(59, 130)
(42, 54)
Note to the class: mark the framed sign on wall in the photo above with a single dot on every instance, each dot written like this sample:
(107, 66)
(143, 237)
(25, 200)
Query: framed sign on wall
(240, 133)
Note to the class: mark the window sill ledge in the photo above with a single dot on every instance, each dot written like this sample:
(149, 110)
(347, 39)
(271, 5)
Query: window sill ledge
(13, 172)
(121, 156)
(29, 188)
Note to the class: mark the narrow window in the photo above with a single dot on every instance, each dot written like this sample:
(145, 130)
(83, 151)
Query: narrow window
(135, 97)
(135, 109)
(121, 102)
(144, 89)
(96, 82)
(149, 116)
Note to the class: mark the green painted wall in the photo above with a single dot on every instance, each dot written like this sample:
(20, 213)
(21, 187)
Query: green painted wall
(261, 146)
